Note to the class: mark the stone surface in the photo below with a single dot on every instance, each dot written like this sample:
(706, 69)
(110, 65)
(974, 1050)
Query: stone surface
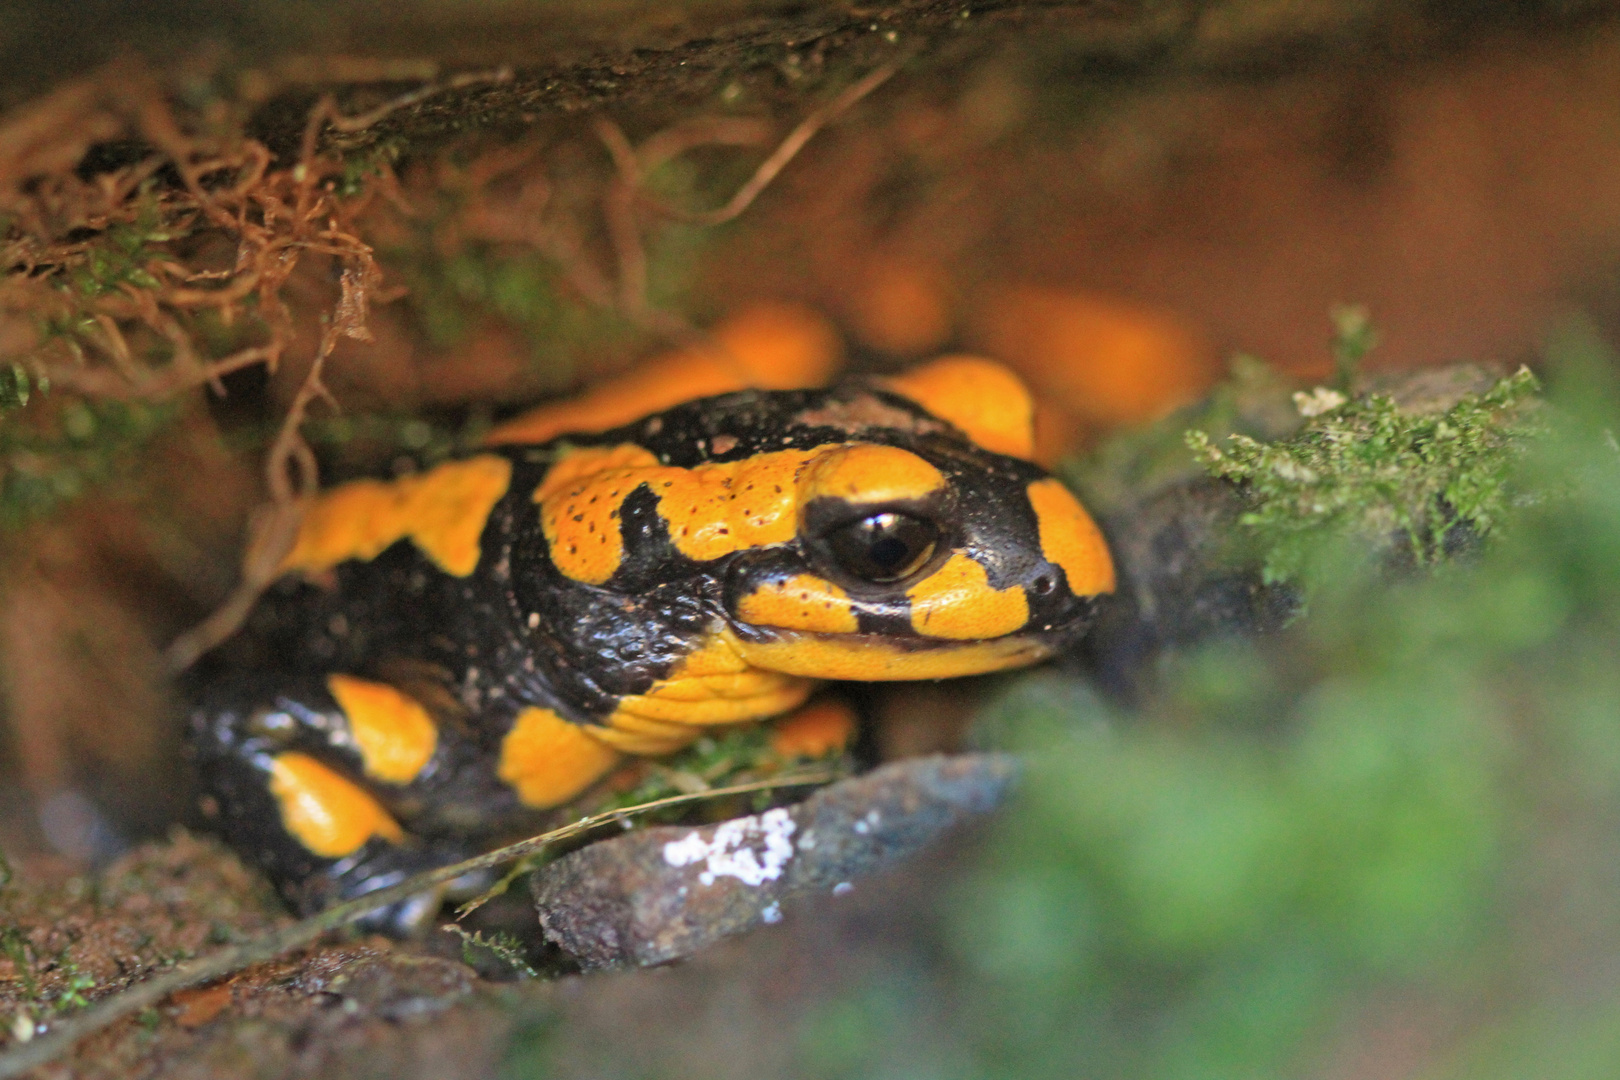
(665, 893)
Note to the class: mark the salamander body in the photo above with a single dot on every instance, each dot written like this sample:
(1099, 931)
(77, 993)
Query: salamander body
(452, 651)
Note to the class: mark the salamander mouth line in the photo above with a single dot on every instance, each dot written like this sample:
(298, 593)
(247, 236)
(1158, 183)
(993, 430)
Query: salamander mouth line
(873, 658)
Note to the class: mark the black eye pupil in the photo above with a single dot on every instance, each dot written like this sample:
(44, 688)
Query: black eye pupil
(883, 547)
(889, 553)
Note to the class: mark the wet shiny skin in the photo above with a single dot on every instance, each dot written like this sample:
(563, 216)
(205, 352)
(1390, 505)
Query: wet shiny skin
(490, 637)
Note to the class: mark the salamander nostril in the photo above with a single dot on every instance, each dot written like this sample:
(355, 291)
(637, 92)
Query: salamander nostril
(1042, 585)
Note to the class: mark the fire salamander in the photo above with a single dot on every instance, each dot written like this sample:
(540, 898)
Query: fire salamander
(448, 652)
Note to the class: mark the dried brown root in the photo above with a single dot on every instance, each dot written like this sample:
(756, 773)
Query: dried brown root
(115, 283)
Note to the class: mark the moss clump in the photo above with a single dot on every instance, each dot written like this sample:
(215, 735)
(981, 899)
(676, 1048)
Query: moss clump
(504, 947)
(737, 756)
(81, 444)
(1364, 469)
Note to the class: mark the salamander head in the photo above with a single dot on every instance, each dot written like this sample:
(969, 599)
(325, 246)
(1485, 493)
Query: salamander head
(863, 532)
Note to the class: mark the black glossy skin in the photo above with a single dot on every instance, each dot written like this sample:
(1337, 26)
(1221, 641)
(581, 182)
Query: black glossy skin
(517, 632)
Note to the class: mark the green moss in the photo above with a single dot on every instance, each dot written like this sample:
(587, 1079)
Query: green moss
(712, 761)
(729, 756)
(49, 457)
(121, 253)
(72, 994)
(450, 295)
(504, 947)
(1407, 795)
(14, 946)
(16, 387)
(365, 439)
(1365, 470)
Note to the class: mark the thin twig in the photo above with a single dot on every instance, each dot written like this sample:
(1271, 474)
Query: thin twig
(619, 207)
(351, 124)
(115, 1007)
(677, 139)
(627, 193)
(784, 153)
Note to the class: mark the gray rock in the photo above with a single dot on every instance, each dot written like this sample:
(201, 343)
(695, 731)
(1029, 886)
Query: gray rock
(664, 893)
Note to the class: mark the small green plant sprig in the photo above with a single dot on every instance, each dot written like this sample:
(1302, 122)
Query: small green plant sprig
(503, 947)
(1361, 468)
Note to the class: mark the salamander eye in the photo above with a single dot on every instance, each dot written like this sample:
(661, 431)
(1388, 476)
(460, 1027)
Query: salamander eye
(883, 547)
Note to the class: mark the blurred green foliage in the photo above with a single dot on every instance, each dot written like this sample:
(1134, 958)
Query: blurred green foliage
(526, 291)
(56, 450)
(16, 387)
(1410, 797)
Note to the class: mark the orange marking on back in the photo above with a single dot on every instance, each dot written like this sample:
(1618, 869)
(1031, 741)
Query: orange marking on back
(821, 728)
(393, 732)
(581, 463)
(986, 400)
(443, 511)
(711, 510)
(868, 472)
(325, 811)
(548, 760)
(716, 509)
(769, 346)
(956, 601)
(579, 501)
(1071, 539)
(1102, 360)
(803, 602)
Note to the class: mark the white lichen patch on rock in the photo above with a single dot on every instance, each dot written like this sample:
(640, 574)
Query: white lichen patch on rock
(732, 850)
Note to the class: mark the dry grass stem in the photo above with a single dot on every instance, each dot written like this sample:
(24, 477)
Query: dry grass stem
(109, 1010)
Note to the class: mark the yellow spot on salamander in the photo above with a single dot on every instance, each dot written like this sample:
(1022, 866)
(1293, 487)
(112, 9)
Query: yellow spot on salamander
(580, 499)
(956, 601)
(548, 760)
(987, 401)
(713, 685)
(443, 511)
(650, 738)
(716, 509)
(710, 511)
(393, 732)
(1071, 539)
(713, 509)
(868, 472)
(703, 703)
(587, 462)
(820, 728)
(325, 811)
(802, 602)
